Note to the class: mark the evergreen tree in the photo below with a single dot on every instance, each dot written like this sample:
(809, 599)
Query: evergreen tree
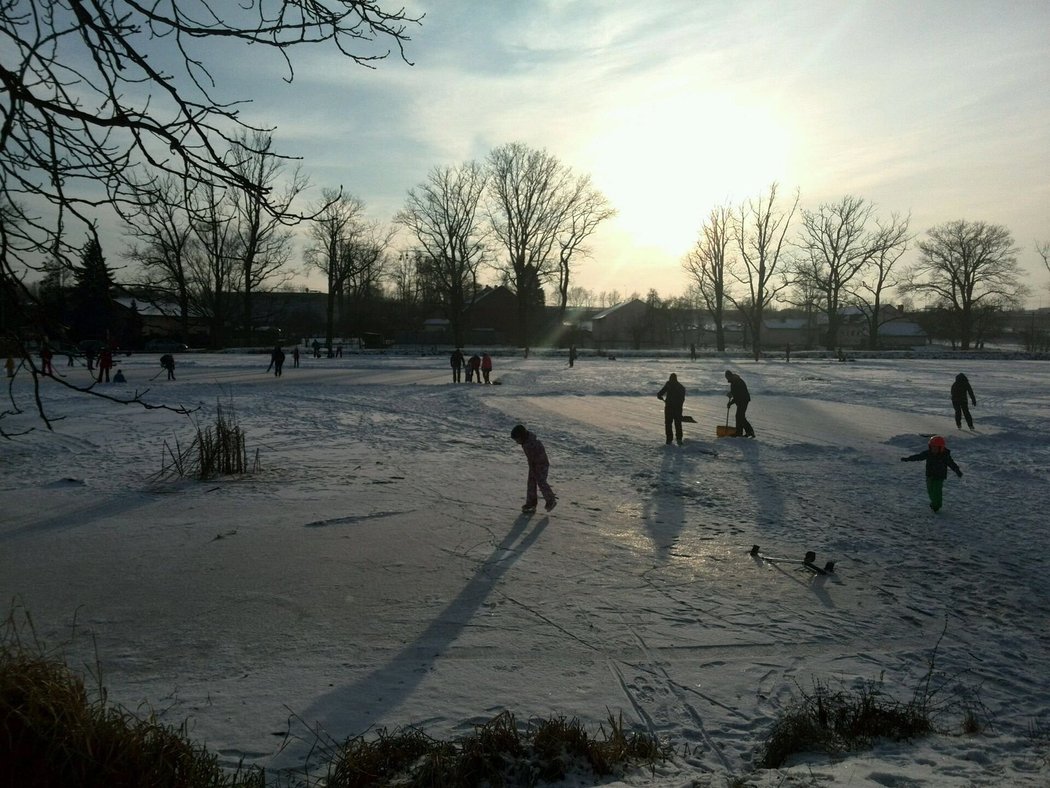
(91, 300)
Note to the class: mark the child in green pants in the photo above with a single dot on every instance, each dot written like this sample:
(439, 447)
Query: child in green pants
(938, 461)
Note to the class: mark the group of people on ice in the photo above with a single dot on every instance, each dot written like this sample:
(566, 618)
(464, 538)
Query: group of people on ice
(477, 367)
(937, 456)
(99, 366)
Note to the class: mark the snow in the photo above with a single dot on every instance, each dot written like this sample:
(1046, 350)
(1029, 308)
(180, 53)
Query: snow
(376, 570)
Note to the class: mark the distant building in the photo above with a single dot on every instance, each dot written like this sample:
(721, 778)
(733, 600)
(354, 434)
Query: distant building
(778, 333)
(622, 326)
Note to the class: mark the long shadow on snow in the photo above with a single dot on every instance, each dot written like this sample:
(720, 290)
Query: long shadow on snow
(664, 507)
(351, 710)
(97, 510)
(766, 496)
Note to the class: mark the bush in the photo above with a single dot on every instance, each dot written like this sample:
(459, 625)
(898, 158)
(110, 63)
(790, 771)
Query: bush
(497, 753)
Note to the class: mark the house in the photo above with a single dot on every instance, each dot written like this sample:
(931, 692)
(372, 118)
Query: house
(901, 335)
(781, 332)
(626, 325)
(493, 315)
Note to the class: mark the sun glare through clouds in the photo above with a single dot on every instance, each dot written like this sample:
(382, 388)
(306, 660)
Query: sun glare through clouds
(665, 160)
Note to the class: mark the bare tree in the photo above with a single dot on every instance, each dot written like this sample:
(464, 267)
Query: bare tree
(540, 214)
(707, 263)
(837, 241)
(213, 259)
(964, 266)
(580, 297)
(366, 258)
(1043, 250)
(584, 209)
(88, 115)
(879, 275)
(161, 237)
(263, 215)
(443, 214)
(760, 229)
(338, 225)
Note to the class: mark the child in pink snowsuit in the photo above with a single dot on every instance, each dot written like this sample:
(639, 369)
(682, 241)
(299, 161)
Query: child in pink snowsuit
(539, 465)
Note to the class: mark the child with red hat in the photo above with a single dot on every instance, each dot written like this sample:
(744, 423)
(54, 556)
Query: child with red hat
(938, 461)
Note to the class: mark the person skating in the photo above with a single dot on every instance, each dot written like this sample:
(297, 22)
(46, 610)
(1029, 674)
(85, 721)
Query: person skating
(276, 361)
(474, 369)
(673, 397)
(739, 396)
(486, 367)
(938, 461)
(168, 362)
(539, 466)
(961, 389)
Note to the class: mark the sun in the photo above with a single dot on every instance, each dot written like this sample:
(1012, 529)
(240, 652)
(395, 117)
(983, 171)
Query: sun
(664, 162)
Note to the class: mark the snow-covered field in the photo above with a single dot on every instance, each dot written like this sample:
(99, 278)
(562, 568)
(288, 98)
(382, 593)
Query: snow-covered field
(377, 570)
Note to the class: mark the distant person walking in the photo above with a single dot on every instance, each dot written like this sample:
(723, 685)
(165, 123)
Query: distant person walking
(168, 362)
(741, 397)
(456, 361)
(9, 365)
(572, 355)
(474, 369)
(938, 461)
(486, 367)
(539, 466)
(105, 363)
(692, 351)
(961, 391)
(276, 361)
(46, 355)
(295, 357)
(673, 397)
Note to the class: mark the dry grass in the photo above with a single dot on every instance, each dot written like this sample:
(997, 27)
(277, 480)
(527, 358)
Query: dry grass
(216, 450)
(841, 721)
(498, 753)
(54, 732)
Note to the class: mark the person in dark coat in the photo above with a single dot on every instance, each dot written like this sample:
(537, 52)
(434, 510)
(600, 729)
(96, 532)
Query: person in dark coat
(961, 389)
(673, 396)
(739, 396)
(168, 362)
(486, 367)
(938, 461)
(539, 467)
(456, 361)
(277, 360)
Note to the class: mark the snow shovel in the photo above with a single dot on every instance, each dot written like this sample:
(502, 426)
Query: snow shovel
(725, 431)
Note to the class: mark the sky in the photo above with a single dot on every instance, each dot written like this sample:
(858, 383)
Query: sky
(937, 109)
